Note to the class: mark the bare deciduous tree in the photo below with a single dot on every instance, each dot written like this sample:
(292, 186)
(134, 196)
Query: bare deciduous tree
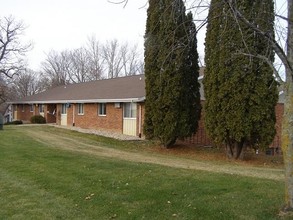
(95, 59)
(12, 50)
(28, 83)
(113, 58)
(131, 61)
(56, 68)
(79, 67)
(92, 62)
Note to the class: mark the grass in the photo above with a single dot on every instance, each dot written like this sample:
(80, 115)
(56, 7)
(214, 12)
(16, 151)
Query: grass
(41, 182)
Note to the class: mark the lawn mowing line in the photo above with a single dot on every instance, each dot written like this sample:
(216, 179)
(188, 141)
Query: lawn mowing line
(29, 192)
(75, 145)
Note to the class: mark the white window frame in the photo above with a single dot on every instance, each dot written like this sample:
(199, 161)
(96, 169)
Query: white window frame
(102, 109)
(80, 109)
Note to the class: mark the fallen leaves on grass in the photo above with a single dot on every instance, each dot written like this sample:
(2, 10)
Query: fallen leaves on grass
(88, 197)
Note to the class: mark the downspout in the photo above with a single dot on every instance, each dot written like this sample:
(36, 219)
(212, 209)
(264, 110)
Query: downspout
(73, 115)
(140, 120)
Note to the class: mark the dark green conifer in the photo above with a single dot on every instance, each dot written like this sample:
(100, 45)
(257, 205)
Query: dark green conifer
(152, 67)
(240, 89)
(171, 69)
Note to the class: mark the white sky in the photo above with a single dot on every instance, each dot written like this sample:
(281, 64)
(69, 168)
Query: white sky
(67, 24)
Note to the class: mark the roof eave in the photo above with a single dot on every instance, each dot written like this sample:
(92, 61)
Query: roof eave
(139, 99)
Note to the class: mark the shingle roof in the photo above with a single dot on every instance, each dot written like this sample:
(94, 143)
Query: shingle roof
(123, 89)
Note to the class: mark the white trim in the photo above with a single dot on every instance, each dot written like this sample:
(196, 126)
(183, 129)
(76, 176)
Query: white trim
(141, 99)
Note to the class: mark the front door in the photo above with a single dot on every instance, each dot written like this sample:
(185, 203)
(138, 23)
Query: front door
(64, 114)
(129, 118)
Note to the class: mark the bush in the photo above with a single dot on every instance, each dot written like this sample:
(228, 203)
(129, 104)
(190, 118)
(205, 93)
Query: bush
(17, 122)
(38, 119)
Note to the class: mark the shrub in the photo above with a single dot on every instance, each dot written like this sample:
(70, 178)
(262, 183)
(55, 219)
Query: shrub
(17, 122)
(38, 119)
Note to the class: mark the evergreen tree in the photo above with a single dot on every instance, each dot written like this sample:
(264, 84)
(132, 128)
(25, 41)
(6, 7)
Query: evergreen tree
(240, 89)
(171, 68)
(152, 67)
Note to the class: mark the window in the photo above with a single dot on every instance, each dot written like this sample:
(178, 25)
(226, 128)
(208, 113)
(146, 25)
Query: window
(64, 109)
(129, 110)
(80, 109)
(22, 108)
(102, 109)
(31, 108)
(41, 108)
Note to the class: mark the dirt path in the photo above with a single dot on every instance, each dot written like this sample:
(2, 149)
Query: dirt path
(71, 143)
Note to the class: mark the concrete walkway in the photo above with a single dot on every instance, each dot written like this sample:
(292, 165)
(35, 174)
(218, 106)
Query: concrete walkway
(105, 133)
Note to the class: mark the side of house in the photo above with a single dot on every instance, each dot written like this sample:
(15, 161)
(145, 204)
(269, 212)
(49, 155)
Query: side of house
(118, 117)
(113, 105)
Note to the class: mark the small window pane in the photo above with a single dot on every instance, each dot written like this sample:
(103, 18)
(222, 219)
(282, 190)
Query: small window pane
(102, 109)
(129, 110)
(41, 108)
(63, 109)
(133, 110)
(80, 109)
(31, 107)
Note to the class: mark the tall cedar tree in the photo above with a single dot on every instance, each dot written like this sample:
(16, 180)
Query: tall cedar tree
(171, 68)
(240, 89)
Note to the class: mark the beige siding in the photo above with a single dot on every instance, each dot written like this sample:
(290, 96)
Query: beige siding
(64, 119)
(129, 126)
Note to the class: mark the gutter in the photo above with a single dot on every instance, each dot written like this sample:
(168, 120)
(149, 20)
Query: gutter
(141, 99)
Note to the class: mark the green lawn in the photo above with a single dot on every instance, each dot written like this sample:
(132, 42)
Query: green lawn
(40, 181)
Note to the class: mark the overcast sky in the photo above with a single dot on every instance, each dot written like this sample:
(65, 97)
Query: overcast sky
(67, 24)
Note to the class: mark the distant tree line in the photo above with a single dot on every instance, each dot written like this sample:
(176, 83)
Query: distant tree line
(93, 61)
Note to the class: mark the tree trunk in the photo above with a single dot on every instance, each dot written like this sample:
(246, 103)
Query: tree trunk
(169, 143)
(235, 150)
(287, 145)
(287, 125)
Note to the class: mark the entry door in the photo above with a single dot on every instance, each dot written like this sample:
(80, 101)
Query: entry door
(129, 119)
(64, 115)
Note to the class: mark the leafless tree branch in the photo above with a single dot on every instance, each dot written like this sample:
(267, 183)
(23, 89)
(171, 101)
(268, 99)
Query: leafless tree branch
(12, 51)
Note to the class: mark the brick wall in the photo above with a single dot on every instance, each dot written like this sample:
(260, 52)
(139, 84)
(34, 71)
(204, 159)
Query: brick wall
(201, 138)
(90, 119)
(114, 120)
(23, 112)
(58, 114)
(51, 113)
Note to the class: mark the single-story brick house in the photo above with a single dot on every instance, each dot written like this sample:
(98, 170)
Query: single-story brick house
(111, 104)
